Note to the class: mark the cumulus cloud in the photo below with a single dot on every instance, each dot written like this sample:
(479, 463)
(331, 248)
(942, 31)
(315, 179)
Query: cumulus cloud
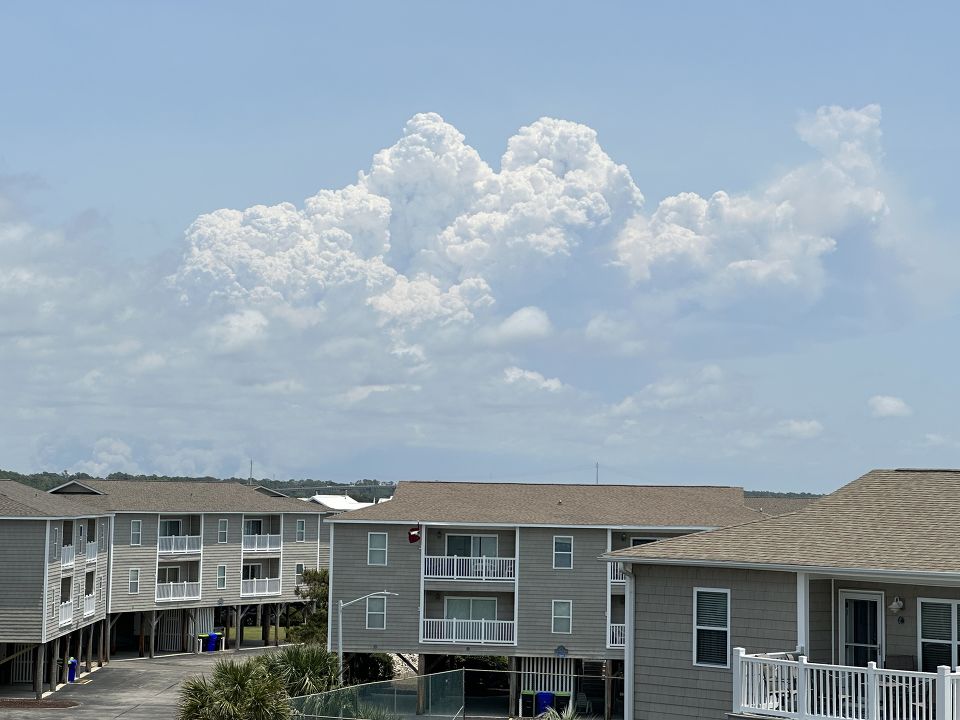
(886, 406)
(797, 429)
(527, 323)
(531, 379)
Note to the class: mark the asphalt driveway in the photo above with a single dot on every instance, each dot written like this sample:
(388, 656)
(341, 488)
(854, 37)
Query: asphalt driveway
(132, 689)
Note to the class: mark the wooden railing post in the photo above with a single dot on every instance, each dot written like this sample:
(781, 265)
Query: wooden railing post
(803, 691)
(873, 694)
(944, 700)
(736, 665)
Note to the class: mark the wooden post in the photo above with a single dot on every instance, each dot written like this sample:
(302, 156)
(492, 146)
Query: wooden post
(226, 629)
(239, 628)
(52, 670)
(38, 671)
(276, 626)
(607, 689)
(102, 647)
(421, 684)
(512, 668)
(79, 651)
(192, 622)
(153, 632)
(143, 621)
(90, 648)
(66, 657)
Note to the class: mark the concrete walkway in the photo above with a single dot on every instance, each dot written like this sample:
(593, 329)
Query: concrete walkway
(132, 689)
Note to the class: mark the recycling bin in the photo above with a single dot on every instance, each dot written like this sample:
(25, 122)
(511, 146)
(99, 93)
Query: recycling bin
(544, 701)
(212, 641)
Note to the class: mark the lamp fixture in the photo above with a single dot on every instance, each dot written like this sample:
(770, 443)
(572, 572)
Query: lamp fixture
(896, 606)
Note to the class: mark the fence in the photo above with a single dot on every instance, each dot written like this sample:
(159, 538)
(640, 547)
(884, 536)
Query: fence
(440, 695)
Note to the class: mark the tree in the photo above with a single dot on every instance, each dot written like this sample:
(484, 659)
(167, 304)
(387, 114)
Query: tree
(304, 669)
(314, 589)
(243, 690)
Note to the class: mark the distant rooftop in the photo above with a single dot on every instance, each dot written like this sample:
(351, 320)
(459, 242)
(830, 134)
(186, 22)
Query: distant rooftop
(19, 500)
(338, 503)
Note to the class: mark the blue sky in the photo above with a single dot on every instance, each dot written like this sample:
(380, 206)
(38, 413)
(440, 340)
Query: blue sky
(790, 334)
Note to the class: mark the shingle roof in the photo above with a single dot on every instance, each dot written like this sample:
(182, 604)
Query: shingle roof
(889, 520)
(778, 505)
(19, 500)
(559, 505)
(180, 496)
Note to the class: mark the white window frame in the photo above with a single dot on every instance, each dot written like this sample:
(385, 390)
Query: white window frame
(696, 628)
(377, 612)
(221, 577)
(138, 524)
(101, 535)
(298, 573)
(55, 550)
(954, 630)
(166, 569)
(99, 589)
(301, 530)
(554, 616)
(54, 597)
(562, 552)
(250, 523)
(447, 536)
(645, 538)
(472, 599)
(131, 573)
(223, 527)
(258, 566)
(169, 522)
(385, 549)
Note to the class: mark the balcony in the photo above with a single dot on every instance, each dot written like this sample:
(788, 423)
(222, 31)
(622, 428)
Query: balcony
(616, 573)
(450, 567)
(470, 632)
(92, 551)
(778, 686)
(178, 591)
(260, 586)
(178, 544)
(67, 555)
(66, 612)
(89, 604)
(261, 543)
(616, 634)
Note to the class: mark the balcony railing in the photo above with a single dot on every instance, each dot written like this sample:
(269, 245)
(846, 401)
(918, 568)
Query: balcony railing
(474, 632)
(261, 543)
(616, 634)
(177, 544)
(66, 612)
(616, 573)
(778, 686)
(178, 591)
(449, 567)
(92, 551)
(67, 554)
(89, 604)
(260, 586)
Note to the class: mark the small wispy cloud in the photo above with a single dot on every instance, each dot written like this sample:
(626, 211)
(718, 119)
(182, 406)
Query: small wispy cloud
(885, 406)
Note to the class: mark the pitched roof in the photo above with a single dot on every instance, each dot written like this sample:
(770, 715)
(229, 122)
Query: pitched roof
(887, 520)
(19, 500)
(187, 497)
(778, 505)
(678, 506)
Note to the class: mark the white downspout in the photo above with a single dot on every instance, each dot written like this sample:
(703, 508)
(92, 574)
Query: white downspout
(629, 672)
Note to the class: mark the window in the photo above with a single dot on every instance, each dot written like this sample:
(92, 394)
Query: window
(377, 548)
(466, 608)
(169, 574)
(53, 605)
(299, 574)
(135, 526)
(169, 527)
(301, 530)
(222, 525)
(376, 613)
(253, 527)
(472, 545)
(562, 552)
(938, 633)
(55, 544)
(711, 621)
(100, 542)
(253, 571)
(562, 617)
(221, 577)
(133, 581)
(635, 541)
(99, 589)
(82, 542)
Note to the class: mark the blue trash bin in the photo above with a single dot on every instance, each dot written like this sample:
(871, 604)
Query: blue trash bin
(72, 670)
(543, 702)
(212, 641)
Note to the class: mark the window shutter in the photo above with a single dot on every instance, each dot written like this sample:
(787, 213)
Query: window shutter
(935, 621)
(712, 609)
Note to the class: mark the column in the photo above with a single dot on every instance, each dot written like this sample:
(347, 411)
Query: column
(239, 627)
(52, 670)
(38, 671)
(66, 657)
(79, 651)
(153, 632)
(101, 648)
(276, 626)
(90, 647)
(607, 689)
(512, 667)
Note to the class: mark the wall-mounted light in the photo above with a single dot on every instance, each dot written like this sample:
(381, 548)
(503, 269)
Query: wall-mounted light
(623, 536)
(896, 606)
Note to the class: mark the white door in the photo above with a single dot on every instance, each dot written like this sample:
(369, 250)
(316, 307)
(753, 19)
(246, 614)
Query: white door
(861, 628)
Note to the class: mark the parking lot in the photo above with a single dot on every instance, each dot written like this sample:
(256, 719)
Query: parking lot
(136, 688)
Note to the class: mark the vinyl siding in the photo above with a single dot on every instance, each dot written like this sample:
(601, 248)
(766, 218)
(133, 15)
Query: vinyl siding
(21, 593)
(668, 685)
(819, 618)
(127, 556)
(55, 572)
(215, 554)
(296, 552)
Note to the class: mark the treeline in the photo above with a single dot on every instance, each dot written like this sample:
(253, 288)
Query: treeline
(366, 490)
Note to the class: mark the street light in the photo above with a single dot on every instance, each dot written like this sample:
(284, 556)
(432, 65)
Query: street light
(340, 606)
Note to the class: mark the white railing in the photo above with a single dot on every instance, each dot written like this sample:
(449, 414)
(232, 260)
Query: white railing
(66, 612)
(616, 634)
(261, 543)
(89, 604)
(92, 550)
(67, 554)
(260, 586)
(477, 632)
(178, 591)
(451, 567)
(178, 544)
(616, 573)
(779, 687)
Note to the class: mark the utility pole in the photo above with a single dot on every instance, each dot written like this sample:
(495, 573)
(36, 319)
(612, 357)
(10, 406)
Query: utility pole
(250, 478)
(598, 472)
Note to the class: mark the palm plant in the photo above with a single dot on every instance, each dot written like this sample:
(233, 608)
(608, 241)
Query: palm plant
(235, 691)
(303, 669)
(568, 713)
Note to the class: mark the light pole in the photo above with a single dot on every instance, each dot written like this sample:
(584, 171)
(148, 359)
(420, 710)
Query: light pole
(340, 606)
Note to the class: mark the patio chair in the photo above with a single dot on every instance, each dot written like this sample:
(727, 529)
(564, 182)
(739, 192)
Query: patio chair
(583, 704)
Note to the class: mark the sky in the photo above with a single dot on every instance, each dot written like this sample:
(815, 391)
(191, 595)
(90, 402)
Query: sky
(693, 243)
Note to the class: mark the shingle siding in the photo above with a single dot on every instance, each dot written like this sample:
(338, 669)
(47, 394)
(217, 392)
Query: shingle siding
(667, 684)
(21, 597)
